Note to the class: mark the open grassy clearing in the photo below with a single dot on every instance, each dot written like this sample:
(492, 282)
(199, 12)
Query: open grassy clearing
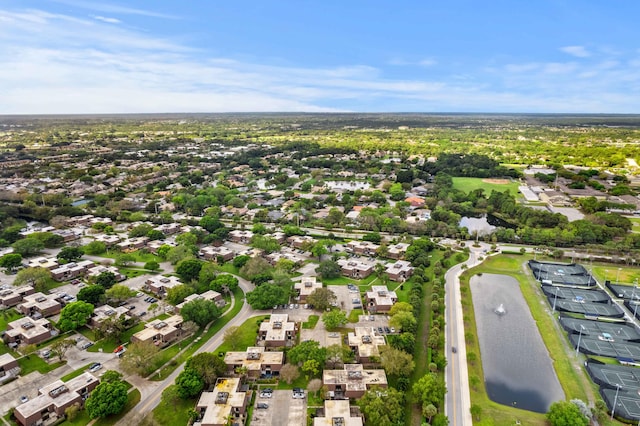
(468, 184)
(247, 336)
(571, 375)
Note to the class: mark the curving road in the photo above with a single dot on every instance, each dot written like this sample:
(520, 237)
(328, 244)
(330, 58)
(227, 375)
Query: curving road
(151, 392)
(457, 400)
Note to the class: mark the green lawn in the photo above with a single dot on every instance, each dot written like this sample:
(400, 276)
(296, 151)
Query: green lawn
(468, 184)
(174, 414)
(215, 327)
(354, 315)
(33, 362)
(110, 345)
(75, 373)
(422, 354)
(619, 274)
(570, 374)
(247, 336)
(132, 400)
(311, 322)
(140, 256)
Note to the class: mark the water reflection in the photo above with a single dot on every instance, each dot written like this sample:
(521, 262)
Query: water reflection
(517, 366)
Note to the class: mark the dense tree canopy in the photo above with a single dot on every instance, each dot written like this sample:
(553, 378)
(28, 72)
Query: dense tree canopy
(109, 397)
(74, 315)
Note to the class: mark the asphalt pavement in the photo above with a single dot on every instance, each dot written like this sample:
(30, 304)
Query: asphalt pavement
(457, 399)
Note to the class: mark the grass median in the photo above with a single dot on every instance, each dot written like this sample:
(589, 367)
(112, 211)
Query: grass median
(571, 379)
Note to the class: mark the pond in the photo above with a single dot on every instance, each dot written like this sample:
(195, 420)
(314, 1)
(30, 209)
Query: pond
(81, 202)
(517, 367)
(483, 225)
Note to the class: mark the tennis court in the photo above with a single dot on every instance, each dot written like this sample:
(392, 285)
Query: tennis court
(591, 309)
(627, 403)
(571, 274)
(617, 331)
(627, 292)
(609, 375)
(577, 294)
(591, 346)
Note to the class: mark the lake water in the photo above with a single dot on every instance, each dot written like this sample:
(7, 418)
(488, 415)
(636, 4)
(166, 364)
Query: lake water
(483, 225)
(517, 366)
(81, 202)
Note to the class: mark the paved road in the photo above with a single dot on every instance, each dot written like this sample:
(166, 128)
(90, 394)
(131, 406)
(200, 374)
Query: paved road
(457, 400)
(151, 392)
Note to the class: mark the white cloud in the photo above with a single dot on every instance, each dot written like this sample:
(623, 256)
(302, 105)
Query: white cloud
(112, 8)
(106, 19)
(429, 62)
(577, 51)
(55, 63)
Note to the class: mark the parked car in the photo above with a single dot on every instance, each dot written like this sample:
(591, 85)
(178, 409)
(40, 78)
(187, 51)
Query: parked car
(95, 367)
(262, 405)
(24, 399)
(46, 354)
(298, 393)
(266, 393)
(86, 345)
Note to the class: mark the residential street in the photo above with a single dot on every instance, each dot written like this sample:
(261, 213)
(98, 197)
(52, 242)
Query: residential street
(151, 392)
(457, 399)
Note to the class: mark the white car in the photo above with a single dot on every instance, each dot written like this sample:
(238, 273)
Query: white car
(95, 367)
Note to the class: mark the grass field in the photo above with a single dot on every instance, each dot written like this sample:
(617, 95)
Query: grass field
(247, 336)
(571, 375)
(470, 184)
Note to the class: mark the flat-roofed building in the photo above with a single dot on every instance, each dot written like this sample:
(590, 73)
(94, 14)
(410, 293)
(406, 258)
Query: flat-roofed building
(109, 240)
(9, 367)
(365, 248)
(240, 237)
(54, 399)
(79, 220)
(38, 305)
(273, 258)
(380, 299)
(99, 269)
(365, 343)
(71, 270)
(256, 360)
(278, 331)
(68, 234)
(400, 271)
(43, 262)
(338, 413)
(28, 331)
(214, 253)
(102, 313)
(299, 241)
(13, 296)
(132, 244)
(280, 237)
(355, 268)
(397, 251)
(207, 295)
(224, 402)
(154, 245)
(160, 332)
(305, 287)
(169, 228)
(352, 381)
(159, 285)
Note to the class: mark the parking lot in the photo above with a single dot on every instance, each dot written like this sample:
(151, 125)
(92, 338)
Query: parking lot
(283, 410)
(345, 297)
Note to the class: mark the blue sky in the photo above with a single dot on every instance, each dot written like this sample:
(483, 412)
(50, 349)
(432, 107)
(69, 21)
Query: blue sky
(89, 56)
